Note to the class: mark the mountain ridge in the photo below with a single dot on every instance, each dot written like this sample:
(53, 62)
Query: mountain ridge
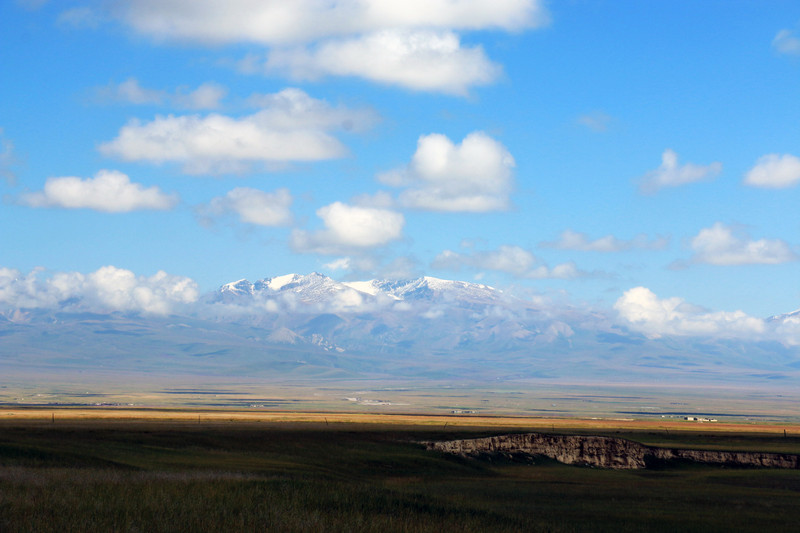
(310, 325)
(314, 286)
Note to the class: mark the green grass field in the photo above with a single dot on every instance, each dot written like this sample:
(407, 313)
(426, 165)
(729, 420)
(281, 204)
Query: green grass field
(100, 476)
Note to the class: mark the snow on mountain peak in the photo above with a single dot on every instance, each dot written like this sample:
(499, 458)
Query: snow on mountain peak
(237, 287)
(278, 282)
(445, 284)
(316, 288)
(792, 317)
(367, 287)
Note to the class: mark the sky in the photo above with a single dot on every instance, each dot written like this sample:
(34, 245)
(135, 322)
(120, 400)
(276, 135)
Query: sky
(641, 158)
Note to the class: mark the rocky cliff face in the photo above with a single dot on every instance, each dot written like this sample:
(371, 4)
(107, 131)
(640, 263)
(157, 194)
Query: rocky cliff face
(605, 452)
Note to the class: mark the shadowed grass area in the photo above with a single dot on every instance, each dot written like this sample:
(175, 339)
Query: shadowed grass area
(238, 477)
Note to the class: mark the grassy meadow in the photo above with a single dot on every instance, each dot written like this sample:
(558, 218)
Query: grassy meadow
(105, 475)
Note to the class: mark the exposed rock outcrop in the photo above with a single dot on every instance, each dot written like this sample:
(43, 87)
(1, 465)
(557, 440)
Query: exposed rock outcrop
(605, 452)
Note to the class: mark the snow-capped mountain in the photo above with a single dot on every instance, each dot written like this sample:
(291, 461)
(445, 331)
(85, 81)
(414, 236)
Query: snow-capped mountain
(316, 288)
(794, 316)
(380, 316)
(303, 326)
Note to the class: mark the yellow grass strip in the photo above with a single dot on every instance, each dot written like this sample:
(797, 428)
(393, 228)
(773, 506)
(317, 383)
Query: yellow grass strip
(189, 416)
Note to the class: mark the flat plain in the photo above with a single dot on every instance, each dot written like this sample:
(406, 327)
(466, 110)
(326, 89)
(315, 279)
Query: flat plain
(103, 469)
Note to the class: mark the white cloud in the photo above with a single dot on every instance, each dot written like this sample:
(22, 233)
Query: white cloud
(719, 245)
(271, 22)
(655, 317)
(370, 265)
(670, 174)
(109, 191)
(108, 289)
(206, 96)
(294, 127)
(253, 206)
(343, 263)
(350, 228)
(419, 60)
(787, 328)
(411, 43)
(293, 108)
(509, 259)
(32, 4)
(81, 18)
(475, 176)
(129, 91)
(380, 199)
(596, 121)
(573, 240)
(785, 42)
(7, 159)
(774, 171)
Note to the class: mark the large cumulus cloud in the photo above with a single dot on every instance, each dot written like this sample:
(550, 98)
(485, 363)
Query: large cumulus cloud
(350, 228)
(290, 126)
(107, 289)
(414, 44)
(475, 176)
(109, 191)
(644, 311)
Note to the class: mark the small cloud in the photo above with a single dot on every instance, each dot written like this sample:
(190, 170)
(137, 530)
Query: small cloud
(206, 96)
(292, 107)
(785, 42)
(130, 92)
(513, 260)
(720, 245)
(349, 228)
(81, 18)
(109, 191)
(670, 174)
(380, 199)
(32, 4)
(774, 171)
(343, 263)
(7, 159)
(252, 206)
(597, 121)
(572, 240)
(474, 176)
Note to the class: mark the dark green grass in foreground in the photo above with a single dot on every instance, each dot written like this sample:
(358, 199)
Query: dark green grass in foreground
(239, 478)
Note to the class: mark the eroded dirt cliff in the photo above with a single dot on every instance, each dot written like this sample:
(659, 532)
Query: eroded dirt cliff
(605, 452)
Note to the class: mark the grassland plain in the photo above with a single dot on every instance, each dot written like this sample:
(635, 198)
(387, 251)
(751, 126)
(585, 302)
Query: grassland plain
(218, 471)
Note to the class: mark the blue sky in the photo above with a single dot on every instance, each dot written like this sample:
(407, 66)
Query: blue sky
(575, 149)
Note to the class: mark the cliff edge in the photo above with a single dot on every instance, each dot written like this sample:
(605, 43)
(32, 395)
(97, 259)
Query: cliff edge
(605, 452)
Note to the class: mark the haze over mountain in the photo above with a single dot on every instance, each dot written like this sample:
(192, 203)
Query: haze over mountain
(313, 327)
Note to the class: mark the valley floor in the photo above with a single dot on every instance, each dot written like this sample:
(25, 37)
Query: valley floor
(87, 470)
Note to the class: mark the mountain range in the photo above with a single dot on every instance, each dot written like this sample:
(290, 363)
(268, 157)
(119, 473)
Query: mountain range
(313, 327)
